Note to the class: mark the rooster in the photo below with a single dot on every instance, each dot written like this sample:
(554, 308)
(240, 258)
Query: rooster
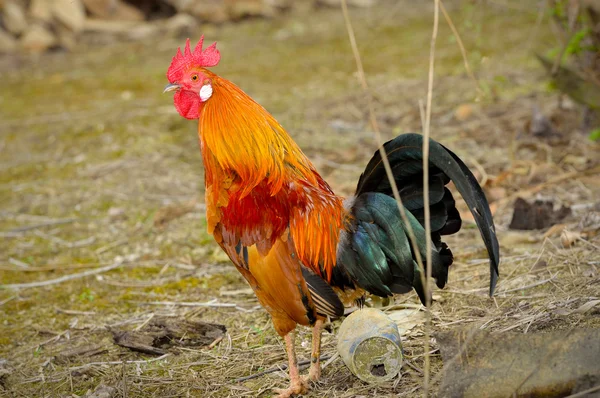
(305, 251)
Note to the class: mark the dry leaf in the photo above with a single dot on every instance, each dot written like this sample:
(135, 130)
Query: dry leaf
(586, 307)
(463, 112)
(540, 264)
(555, 230)
(407, 319)
(580, 310)
(568, 238)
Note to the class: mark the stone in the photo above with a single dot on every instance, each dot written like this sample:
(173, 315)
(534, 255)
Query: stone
(8, 43)
(113, 10)
(238, 9)
(66, 37)
(104, 26)
(37, 38)
(207, 10)
(13, 17)
(41, 10)
(102, 391)
(180, 5)
(181, 25)
(143, 31)
(351, 3)
(71, 13)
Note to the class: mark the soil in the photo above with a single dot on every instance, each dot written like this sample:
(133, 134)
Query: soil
(101, 175)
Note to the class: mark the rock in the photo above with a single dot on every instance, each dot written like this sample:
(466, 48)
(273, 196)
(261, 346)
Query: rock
(554, 363)
(102, 391)
(180, 5)
(13, 17)
(8, 43)
(103, 26)
(593, 4)
(206, 10)
(537, 215)
(66, 37)
(223, 10)
(281, 4)
(143, 31)
(351, 3)
(238, 9)
(181, 25)
(113, 10)
(37, 38)
(69, 12)
(41, 10)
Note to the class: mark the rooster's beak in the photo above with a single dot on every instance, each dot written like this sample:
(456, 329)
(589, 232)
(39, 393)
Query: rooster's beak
(171, 87)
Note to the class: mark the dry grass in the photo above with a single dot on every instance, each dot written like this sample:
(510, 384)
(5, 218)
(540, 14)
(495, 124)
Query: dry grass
(98, 170)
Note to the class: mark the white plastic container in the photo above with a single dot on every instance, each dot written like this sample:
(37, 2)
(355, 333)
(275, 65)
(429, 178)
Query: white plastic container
(370, 346)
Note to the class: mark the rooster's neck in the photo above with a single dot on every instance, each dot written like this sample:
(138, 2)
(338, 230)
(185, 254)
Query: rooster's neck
(245, 140)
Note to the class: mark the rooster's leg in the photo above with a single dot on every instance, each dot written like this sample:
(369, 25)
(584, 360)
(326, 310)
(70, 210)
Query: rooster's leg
(315, 366)
(297, 384)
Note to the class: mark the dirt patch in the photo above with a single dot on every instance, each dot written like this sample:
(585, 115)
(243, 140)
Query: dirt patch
(91, 152)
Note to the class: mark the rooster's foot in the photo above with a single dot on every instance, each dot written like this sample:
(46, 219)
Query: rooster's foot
(297, 387)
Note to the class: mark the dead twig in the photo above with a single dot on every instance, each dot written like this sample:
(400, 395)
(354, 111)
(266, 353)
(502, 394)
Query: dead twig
(63, 278)
(542, 282)
(73, 312)
(214, 343)
(19, 263)
(6, 300)
(211, 303)
(112, 245)
(277, 368)
(62, 242)
(41, 225)
(584, 393)
(87, 365)
(51, 267)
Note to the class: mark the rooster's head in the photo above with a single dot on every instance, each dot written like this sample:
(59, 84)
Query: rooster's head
(189, 78)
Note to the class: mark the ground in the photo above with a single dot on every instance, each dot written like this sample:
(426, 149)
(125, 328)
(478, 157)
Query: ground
(99, 173)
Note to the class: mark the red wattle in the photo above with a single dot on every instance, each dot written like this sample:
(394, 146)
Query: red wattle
(187, 104)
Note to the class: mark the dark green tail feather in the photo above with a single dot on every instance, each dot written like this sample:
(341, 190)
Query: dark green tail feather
(384, 266)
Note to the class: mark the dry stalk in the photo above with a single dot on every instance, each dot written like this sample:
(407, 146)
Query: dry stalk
(426, 134)
(375, 127)
(425, 274)
(459, 41)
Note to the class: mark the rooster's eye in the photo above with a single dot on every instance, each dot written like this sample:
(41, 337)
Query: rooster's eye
(194, 78)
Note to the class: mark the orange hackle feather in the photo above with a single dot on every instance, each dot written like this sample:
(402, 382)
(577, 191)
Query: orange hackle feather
(260, 187)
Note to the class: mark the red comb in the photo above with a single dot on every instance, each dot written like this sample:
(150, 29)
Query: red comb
(198, 58)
